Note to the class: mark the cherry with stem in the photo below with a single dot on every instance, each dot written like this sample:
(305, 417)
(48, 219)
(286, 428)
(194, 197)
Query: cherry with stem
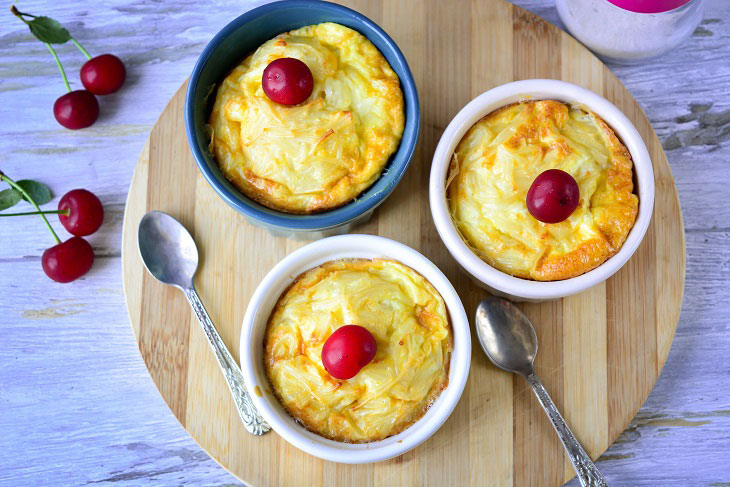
(65, 261)
(76, 109)
(100, 75)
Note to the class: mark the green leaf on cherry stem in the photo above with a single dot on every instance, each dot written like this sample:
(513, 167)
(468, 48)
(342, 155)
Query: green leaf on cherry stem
(48, 30)
(9, 197)
(38, 191)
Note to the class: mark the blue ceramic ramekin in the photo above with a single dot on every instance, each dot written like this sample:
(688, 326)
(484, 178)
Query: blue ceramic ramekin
(243, 36)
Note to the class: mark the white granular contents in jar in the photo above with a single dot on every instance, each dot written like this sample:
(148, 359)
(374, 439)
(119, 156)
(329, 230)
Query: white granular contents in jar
(620, 34)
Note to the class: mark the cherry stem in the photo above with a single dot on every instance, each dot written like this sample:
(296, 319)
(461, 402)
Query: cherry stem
(20, 15)
(81, 48)
(28, 198)
(46, 212)
(60, 66)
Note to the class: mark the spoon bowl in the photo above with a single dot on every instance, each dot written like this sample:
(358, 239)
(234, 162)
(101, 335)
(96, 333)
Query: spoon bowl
(506, 335)
(167, 249)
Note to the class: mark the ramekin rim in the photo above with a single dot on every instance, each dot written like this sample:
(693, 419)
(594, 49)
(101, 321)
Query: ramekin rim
(492, 99)
(328, 219)
(459, 361)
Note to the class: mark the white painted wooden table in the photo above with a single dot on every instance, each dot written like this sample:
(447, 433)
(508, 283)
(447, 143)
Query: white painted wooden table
(77, 406)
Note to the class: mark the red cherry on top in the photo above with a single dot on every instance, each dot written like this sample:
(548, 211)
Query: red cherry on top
(553, 196)
(85, 212)
(347, 350)
(103, 74)
(287, 81)
(69, 260)
(76, 109)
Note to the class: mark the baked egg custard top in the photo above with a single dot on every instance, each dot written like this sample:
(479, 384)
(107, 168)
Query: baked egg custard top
(494, 166)
(409, 321)
(321, 153)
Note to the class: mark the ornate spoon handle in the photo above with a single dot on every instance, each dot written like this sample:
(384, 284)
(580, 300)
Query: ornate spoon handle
(586, 470)
(252, 420)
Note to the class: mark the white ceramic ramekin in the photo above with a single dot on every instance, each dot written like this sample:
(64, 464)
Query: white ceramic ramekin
(487, 276)
(252, 339)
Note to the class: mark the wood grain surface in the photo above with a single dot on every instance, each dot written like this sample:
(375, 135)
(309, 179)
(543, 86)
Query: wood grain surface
(600, 352)
(77, 405)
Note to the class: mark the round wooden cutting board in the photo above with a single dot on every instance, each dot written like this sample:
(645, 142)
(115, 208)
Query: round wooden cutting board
(600, 352)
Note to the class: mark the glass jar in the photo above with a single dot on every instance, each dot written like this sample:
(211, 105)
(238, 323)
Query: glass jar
(630, 31)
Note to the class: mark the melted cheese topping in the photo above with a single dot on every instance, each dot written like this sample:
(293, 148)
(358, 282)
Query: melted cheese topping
(409, 321)
(321, 153)
(497, 161)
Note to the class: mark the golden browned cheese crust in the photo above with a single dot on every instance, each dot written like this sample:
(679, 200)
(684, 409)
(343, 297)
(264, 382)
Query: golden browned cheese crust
(324, 152)
(494, 166)
(410, 323)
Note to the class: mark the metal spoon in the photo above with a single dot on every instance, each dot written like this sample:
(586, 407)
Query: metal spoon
(510, 342)
(169, 253)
